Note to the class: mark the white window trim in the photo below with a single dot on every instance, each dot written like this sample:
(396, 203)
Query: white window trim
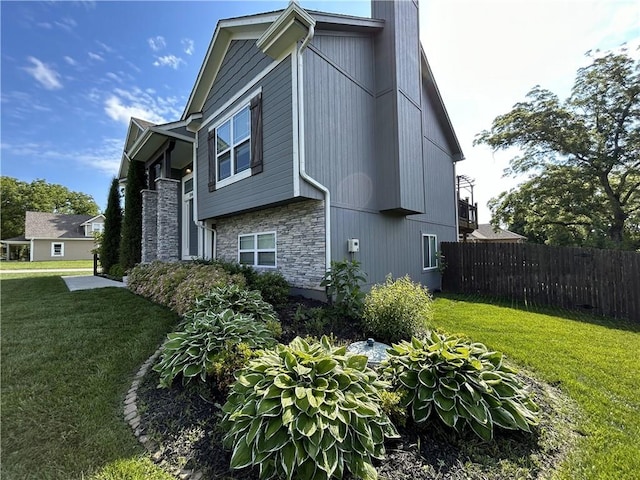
(233, 178)
(256, 250)
(53, 249)
(428, 235)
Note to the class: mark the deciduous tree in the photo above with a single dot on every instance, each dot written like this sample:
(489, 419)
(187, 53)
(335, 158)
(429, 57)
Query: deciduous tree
(582, 156)
(18, 197)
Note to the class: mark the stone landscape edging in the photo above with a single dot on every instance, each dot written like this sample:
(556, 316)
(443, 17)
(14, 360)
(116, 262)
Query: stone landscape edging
(132, 417)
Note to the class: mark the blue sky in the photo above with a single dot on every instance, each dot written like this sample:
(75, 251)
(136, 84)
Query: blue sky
(74, 72)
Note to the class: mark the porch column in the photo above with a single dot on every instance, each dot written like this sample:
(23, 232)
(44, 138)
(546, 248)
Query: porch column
(149, 226)
(168, 226)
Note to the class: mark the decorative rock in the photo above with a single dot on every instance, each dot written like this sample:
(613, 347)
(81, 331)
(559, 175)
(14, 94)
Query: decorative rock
(184, 474)
(143, 439)
(130, 409)
(130, 416)
(197, 476)
(156, 457)
(131, 398)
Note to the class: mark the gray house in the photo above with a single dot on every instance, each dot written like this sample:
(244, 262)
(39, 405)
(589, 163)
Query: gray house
(308, 137)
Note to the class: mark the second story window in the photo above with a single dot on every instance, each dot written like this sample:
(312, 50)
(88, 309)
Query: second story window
(233, 146)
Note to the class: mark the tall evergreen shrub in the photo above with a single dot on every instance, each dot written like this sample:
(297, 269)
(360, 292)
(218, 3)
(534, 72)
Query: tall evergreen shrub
(110, 247)
(131, 243)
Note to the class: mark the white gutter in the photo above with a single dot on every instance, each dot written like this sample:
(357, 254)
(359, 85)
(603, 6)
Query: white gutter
(301, 152)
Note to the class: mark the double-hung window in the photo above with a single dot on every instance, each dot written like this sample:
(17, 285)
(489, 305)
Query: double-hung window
(233, 148)
(257, 249)
(57, 249)
(429, 252)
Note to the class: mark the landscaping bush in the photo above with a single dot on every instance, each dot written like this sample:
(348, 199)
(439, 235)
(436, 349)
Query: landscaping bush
(462, 382)
(240, 300)
(397, 310)
(177, 285)
(306, 411)
(199, 281)
(209, 346)
(343, 287)
(273, 287)
(271, 284)
(116, 271)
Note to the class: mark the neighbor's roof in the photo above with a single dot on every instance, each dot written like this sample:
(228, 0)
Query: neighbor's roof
(54, 225)
(485, 231)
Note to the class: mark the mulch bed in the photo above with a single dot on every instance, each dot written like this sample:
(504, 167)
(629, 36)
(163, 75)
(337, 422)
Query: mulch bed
(183, 422)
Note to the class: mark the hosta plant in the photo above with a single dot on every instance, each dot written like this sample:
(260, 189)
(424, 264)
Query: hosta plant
(307, 411)
(205, 342)
(236, 298)
(460, 382)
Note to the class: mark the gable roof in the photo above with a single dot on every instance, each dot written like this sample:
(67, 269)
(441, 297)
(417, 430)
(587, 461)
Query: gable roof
(93, 219)
(253, 27)
(54, 225)
(485, 231)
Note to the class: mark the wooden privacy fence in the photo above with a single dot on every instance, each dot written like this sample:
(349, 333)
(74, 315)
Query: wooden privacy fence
(606, 282)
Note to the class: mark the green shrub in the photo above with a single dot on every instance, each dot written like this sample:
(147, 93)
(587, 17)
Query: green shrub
(116, 271)
(199, 281)
(273, 287)
(206, 342)
(177, 285)
(343, 287)
(397, 309)
(462, 382)
(307, 411)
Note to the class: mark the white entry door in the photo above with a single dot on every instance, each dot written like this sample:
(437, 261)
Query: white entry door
(189, 226)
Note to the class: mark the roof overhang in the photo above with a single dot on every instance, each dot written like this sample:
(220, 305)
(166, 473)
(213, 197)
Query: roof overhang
(291, 26)
(91, 220)
(441, 111)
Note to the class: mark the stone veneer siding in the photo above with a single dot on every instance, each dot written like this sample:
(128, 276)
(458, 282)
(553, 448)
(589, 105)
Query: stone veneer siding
(300, 239)
(168, 226)
(149, 226)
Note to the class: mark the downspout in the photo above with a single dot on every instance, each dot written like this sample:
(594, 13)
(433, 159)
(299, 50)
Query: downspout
(301, 152)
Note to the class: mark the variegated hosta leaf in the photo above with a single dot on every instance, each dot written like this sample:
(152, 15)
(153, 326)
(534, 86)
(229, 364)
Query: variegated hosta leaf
(462, 382)
(316, 413)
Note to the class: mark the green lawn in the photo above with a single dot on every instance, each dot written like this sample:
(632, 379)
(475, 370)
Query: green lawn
(57, 264)
(594, 360)
(68, 359)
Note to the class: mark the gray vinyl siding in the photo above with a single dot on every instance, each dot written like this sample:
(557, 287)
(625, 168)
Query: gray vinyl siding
(408, 51)
(410, 156)
(242, 62)
(339, 114)
(431, 126)
(275, 183)
(388, 244)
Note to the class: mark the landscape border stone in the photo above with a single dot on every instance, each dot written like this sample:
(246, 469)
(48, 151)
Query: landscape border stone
(132, 417)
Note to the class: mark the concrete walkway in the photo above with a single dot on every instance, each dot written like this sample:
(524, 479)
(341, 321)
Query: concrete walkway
(87, 283)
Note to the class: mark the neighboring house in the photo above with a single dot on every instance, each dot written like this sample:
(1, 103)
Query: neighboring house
(54, 236)
(308, 137)
(487, 233)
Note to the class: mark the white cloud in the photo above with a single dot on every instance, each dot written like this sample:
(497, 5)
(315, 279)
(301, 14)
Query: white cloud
(124, 104)
(168, 61)
(70, 61)
(105, 157)
(157, 43)
(95, 56)
(114, 77)
(45, 75)
(105, 47)
(188, 46)
(46, 25)
(67, 23)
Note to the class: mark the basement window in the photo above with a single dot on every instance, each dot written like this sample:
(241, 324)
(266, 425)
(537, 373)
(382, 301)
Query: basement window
(429, 252)
(257, 249)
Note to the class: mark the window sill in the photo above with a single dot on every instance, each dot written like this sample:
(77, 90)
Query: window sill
(234, 178)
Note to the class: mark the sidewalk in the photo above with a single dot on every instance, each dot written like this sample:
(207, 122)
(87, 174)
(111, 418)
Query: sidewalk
(87, 283)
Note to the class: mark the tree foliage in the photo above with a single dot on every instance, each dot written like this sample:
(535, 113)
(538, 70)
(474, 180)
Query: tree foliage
(38, 196)
(131, 243)
(581, 155)
(110, 246)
